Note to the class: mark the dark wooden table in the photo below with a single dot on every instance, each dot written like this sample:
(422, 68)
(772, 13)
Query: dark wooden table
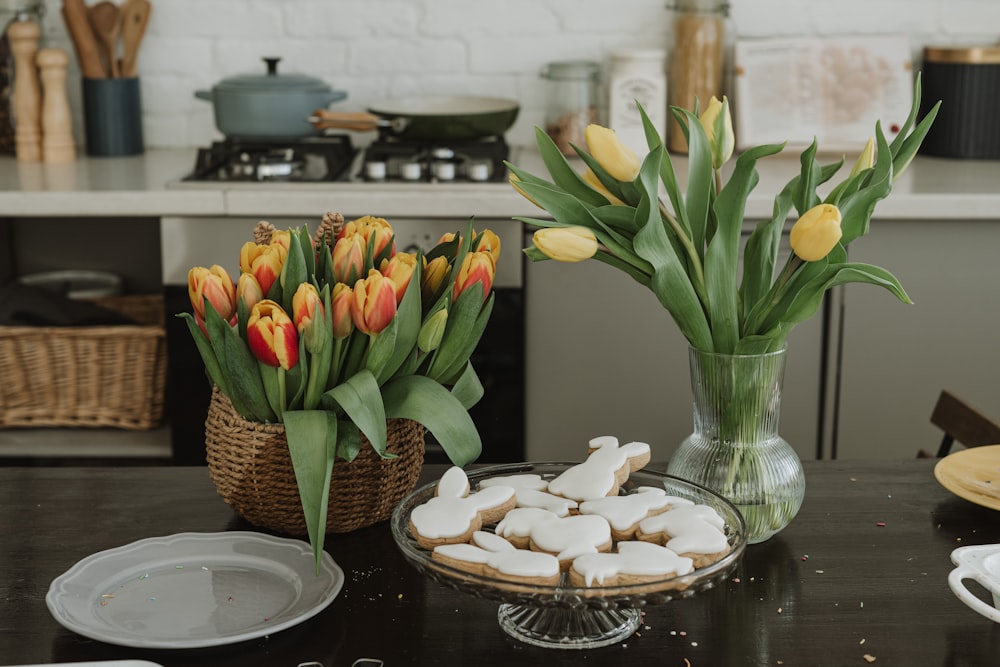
(861, 571)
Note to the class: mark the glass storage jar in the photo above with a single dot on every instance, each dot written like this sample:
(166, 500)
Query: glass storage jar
(637, 76)
(572, 101)
(698, 58)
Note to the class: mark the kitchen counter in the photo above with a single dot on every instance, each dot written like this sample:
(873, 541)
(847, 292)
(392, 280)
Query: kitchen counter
(150, 185)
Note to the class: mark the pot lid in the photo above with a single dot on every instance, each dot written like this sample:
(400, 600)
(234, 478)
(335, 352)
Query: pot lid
(271, 81)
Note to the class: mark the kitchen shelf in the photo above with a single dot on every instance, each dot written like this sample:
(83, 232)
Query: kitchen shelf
(48, 446)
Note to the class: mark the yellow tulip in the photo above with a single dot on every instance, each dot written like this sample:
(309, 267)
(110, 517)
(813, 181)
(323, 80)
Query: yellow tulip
(489, 242)
(433, 277)
(595, 183)
(718, 124)
(816, 233)
(566, 244)
(614, 157)
(866, 159)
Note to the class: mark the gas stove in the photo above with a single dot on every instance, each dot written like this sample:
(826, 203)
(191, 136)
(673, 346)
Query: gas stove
(333, 157)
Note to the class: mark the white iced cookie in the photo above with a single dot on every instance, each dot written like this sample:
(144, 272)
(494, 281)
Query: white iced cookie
(606, 468)
(695, 531)
(625, 512)
(566, 538)
(529, 489)
(495, 557)
(516, 525)
(632, 563)
(453, 515)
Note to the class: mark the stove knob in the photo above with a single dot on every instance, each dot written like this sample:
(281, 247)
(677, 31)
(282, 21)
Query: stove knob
(479, 171)
(375, 171)
(444, 171)
(411, 171)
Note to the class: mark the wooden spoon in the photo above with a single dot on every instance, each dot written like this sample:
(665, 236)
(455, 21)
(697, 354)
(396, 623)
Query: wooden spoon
(105, 21)
(135, 16)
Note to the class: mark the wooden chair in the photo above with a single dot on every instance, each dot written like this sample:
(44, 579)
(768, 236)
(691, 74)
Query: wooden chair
(961, 422)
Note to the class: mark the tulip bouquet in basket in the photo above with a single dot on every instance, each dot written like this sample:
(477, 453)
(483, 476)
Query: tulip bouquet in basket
(687, 248)
(332, 335)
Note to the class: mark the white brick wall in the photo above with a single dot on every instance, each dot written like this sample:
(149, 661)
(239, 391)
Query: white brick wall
(382, 48)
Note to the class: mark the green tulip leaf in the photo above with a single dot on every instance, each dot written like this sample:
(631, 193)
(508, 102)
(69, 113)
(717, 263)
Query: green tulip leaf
(312, 443)
(361, 400)
(562, 173)
(408, 323)
(425, 401)
(212, 368)
(700, 184)
(467, 388)
(293, 272)
(245, 384)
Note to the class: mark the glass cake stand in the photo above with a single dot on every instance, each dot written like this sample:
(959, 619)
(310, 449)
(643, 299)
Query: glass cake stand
(565, 616)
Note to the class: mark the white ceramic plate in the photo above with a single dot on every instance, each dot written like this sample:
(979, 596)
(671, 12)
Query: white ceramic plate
(193, 590)
(972, 474)
(981, 564)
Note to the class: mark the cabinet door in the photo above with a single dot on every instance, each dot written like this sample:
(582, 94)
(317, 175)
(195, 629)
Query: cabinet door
(896, 357)
(605, 358)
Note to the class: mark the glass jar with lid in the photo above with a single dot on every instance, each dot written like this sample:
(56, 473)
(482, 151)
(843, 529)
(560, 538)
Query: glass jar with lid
(573, 94)
(698, 58)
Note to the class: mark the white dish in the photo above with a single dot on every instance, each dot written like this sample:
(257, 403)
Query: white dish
(194, 590)
(981, 564)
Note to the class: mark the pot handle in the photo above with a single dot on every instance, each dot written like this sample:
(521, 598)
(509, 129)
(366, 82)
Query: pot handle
(203, 95)
(321, 119)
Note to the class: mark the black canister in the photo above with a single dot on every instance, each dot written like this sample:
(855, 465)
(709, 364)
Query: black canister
(967, 82)
(112, 116)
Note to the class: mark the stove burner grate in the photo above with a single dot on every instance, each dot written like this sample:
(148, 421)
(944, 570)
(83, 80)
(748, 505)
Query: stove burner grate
(311, 159)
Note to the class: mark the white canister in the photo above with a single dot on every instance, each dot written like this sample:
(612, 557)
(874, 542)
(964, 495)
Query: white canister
(637, 76)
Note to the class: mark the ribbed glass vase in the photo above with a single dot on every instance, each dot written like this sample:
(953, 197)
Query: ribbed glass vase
(735, 448)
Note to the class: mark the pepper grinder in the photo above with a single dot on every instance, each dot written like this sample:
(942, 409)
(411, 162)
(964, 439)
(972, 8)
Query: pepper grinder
(57, 130)
(23, 37)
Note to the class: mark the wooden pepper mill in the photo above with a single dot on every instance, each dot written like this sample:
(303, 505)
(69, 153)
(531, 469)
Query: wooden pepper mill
(57, 123)
(23, 37)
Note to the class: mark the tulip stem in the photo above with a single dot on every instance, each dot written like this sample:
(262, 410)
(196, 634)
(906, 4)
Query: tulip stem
(777, 290)
(699, 274)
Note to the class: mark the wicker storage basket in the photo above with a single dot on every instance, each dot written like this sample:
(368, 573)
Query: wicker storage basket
(94, 376)
(252, 470)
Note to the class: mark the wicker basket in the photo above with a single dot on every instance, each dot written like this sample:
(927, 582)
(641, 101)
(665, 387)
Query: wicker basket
(252, 470)
(93, 376)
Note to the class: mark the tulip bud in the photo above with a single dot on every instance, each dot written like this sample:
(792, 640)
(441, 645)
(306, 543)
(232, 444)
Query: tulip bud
(514, 180)
(614, 157)
(866, 159)
(432, 331)
(477, 267)
(249, 290)
(433, 277)
(343, 323)
(489, 242)
(307, 306)
(399, 270)
(718, 124)
(281, 237)
(374, 304)
(816, 233)
(215, 285)
(566, 244)
(264, 262)
(367, 227)
(595, 183)
(447, 237)
(271, 335)
(349, 259)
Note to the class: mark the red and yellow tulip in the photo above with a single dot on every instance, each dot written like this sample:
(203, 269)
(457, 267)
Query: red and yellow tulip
(477, 267)
(215, 285)
(489, 242)
(374, 304)
(349, 259)
(264, 262)
(249, 290)
(369, 227)
(271, 335)
(340, 302)
(399, 270)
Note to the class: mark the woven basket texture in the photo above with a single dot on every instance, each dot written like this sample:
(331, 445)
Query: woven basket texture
(94, 376)
(252, 470)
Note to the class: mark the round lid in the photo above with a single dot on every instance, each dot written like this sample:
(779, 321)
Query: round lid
(272, 81)
(572, 69)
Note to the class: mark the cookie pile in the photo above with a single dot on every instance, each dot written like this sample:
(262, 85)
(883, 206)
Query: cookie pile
(575, 523)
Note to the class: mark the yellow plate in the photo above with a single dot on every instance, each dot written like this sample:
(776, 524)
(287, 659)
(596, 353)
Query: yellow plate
(972, 474)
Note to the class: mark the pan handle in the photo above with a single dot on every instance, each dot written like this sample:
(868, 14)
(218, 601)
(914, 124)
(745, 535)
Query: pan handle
(323, 119)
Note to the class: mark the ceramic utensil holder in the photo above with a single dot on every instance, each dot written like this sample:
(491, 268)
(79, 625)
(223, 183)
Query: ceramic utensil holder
(112, 110)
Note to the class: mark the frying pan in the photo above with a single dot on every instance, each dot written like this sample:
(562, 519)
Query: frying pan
(427, 118)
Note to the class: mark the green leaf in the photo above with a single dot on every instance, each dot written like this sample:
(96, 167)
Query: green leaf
(701, 181)
(761, 252)
(408, 328)
(212, 367)
(901, 159)
(856, 210)
(467, 388)
(240, 367)
(312, 442)
(562, 173)
(467, 319)
(381, 348)
(804, 195)
(294, 272)
(425, 401)
(361, 400)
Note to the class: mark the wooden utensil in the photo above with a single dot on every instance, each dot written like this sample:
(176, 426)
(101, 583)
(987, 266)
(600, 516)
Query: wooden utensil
(57, 123)
(23, 37)
(135, 17)
(74, 14)
(105, 21)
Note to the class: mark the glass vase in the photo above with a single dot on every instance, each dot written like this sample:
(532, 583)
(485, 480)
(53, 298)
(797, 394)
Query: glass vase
(735, 448)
